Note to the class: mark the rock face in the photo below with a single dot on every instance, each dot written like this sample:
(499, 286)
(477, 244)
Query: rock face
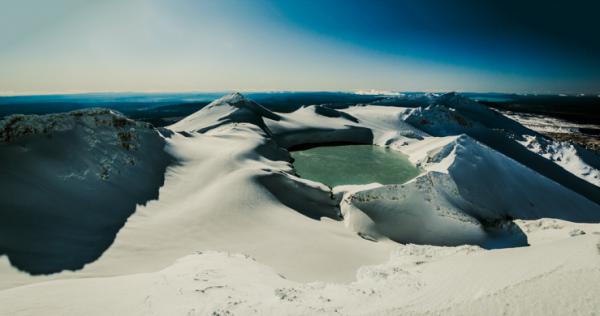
(68, 183)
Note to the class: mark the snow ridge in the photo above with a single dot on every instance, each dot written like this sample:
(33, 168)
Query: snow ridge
(83, 173)
(317, 250)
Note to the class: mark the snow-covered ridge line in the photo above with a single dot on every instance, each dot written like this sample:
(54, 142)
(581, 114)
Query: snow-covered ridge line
(82, 174)
(320, 125)
(571, 157)
(453, 114)
(16, 126)
(234, 190)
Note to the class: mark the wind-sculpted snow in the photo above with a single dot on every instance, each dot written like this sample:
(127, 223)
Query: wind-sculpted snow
(69, 181)
(460, 205)
(387, 125)
(454, 115)
(318, 125)
(235, 190)
(575, 159)
(233, 108)
(312, 199)
(513, 190)
(428, 210)
(448, 208)
(308, 125)
(556, 276)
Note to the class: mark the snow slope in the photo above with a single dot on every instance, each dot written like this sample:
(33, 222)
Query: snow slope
(69, 182)
(219, 196)
(452, 114)
(233, 108)
(321, 250)
(579, 161)
(557, 275)
(448, 205)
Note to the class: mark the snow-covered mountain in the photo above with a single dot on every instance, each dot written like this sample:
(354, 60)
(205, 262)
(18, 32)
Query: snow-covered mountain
(69, 182)
(233, 108)
(318, 250)
(452, 114)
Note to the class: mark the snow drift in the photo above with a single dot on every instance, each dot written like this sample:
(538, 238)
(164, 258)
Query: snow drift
(557, 275)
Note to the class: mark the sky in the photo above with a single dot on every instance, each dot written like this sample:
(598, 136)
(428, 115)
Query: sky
(67, 46)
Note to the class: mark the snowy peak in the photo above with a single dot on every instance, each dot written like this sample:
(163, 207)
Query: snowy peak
(480, 113)
(239, 101)
(451, 98)
(457, 101)
(233, 108)
(235, 99)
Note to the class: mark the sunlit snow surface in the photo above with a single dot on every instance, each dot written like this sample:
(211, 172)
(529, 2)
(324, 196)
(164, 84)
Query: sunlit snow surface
(308, 248)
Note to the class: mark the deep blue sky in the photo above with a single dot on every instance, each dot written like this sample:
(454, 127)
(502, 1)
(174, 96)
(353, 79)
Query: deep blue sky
(531, 37)
(183, 45)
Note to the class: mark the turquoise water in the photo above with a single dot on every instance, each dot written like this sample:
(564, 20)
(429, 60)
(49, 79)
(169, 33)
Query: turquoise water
(353, 164)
